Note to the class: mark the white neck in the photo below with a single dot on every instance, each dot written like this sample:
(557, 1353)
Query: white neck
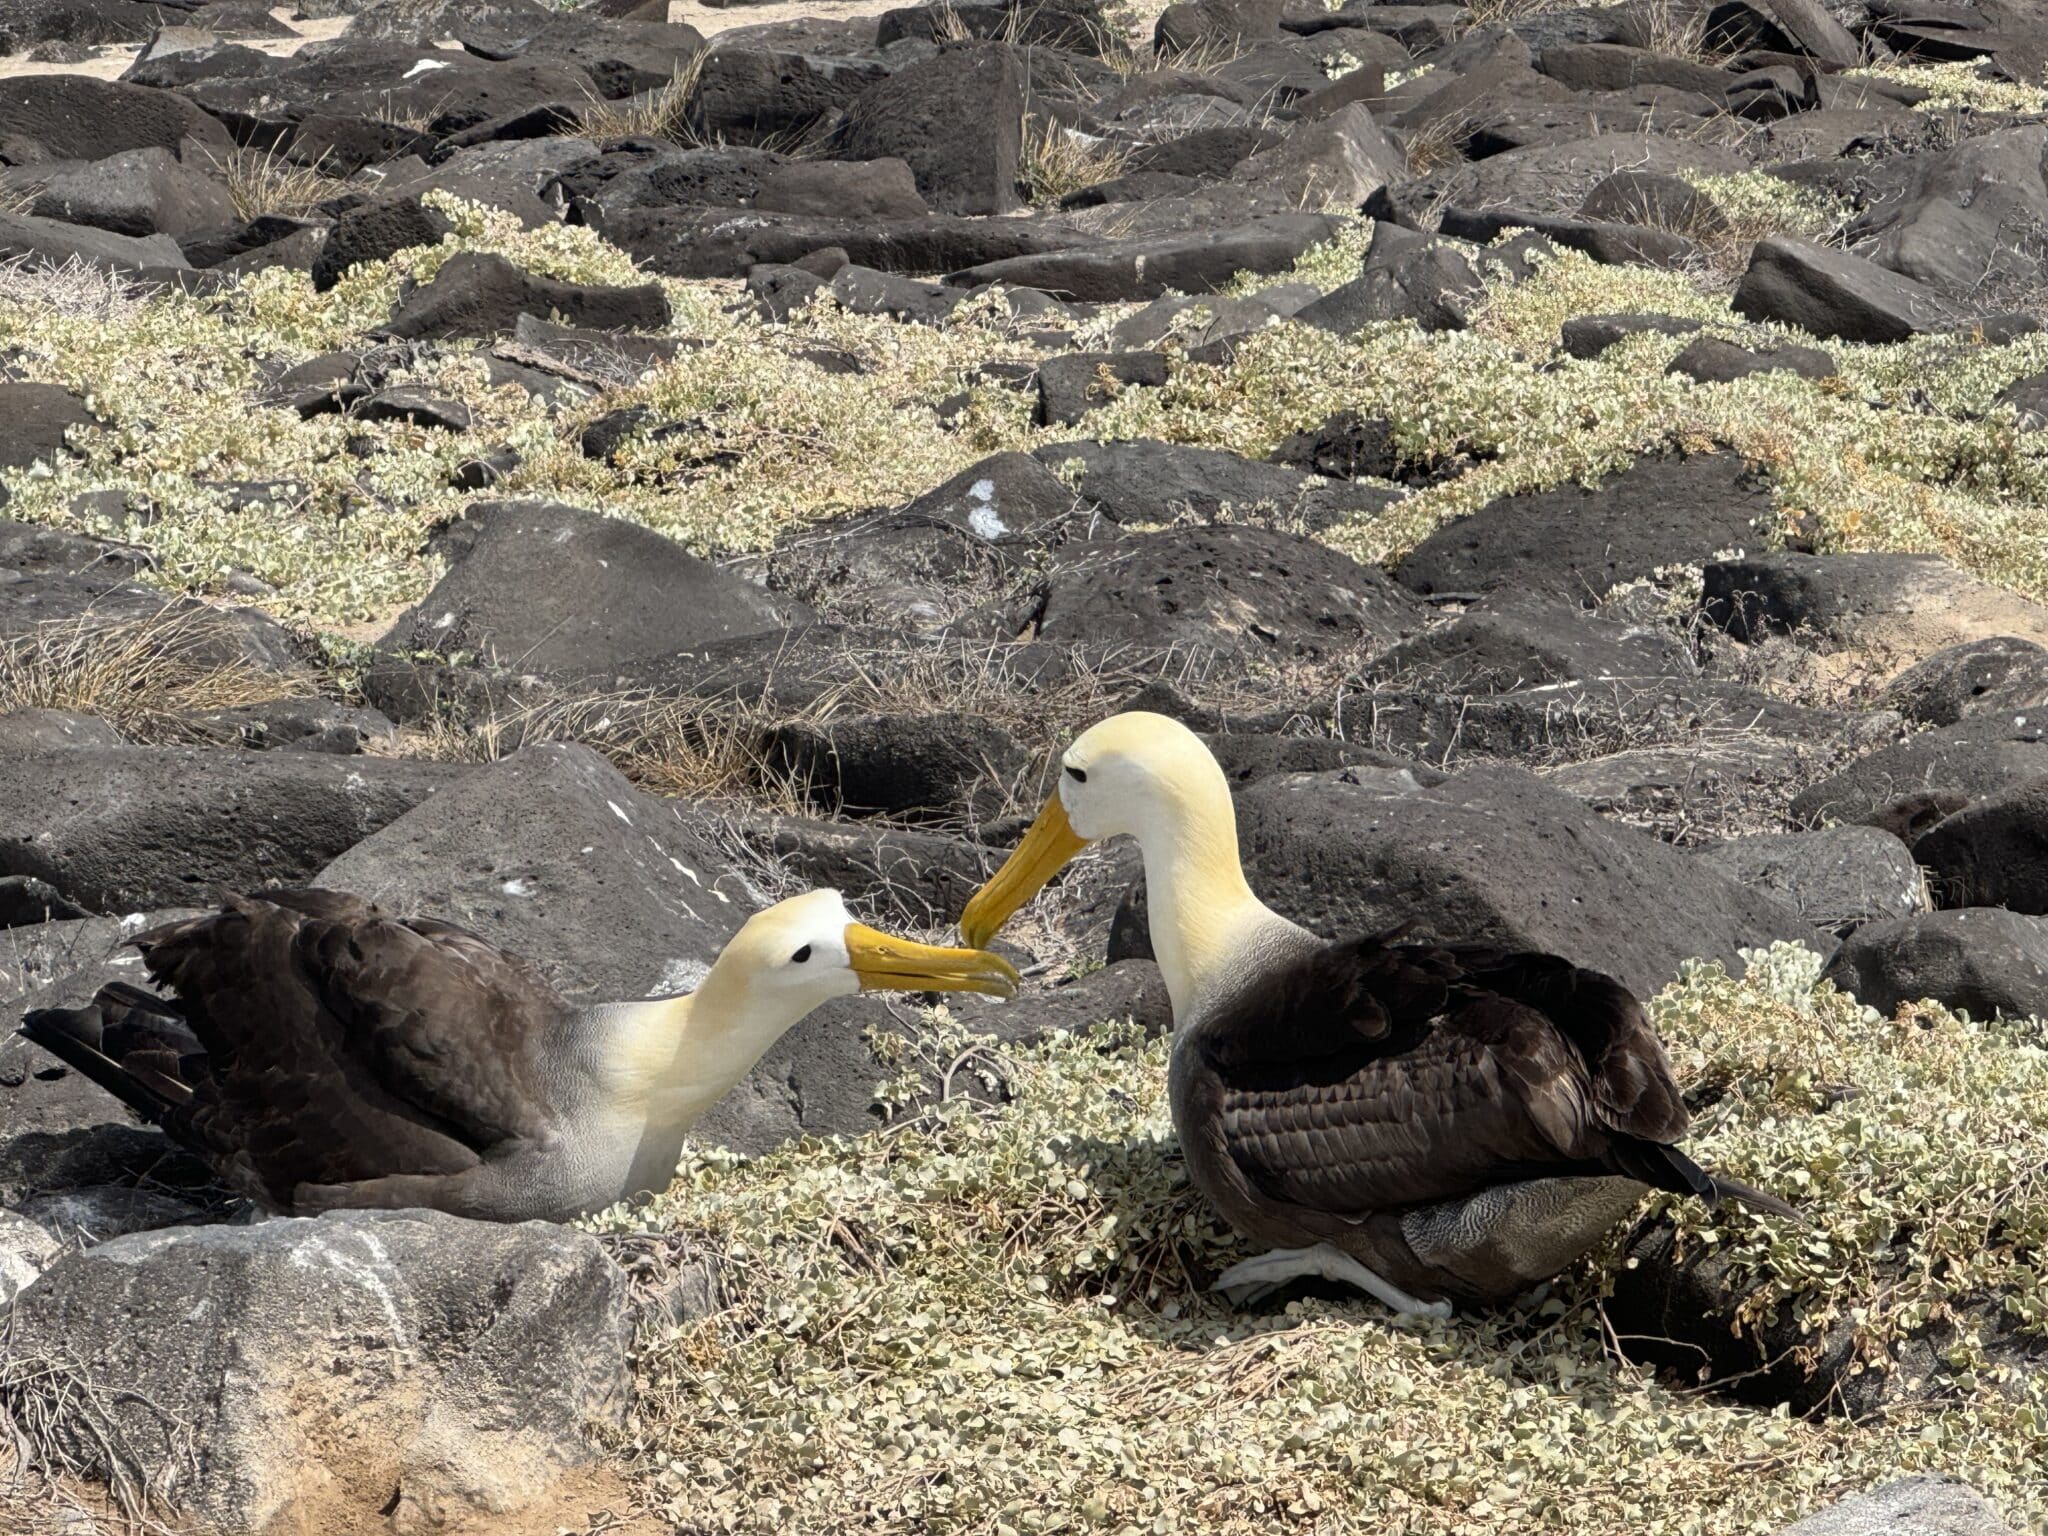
(678, 1056)
(1201, 911)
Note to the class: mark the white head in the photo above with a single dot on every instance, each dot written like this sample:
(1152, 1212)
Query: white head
(800, 953)
(1136, 773)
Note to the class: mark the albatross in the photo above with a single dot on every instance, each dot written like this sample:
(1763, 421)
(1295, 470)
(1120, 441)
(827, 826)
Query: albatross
(1430, 1122)
(321, 1053)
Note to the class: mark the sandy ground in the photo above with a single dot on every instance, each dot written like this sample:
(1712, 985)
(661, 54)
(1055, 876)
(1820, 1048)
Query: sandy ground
(110, 63)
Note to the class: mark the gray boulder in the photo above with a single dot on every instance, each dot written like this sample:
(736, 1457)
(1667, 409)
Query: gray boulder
(1839, 877)
(138, 192)
(552, 854)
(1993, 853)
(1576, 543)
(1912, 1506)
(1977, 756)
(1982, 960)
(1977, 677)
(551, 587)
(1834, 294)
(119, 829)
(315, 1373)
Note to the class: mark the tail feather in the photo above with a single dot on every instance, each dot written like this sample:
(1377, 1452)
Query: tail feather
(142, 1073)
(1665, 1167)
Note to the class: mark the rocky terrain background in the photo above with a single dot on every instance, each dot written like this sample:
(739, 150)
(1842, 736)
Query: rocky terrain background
(1581, 468)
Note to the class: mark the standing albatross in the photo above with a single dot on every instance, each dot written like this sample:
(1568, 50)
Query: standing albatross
(1429, 1122)
(320, 1053)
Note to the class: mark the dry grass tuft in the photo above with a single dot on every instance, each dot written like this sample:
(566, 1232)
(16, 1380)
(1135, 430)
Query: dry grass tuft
(667, 112)
(1058, 161)
(140, 677)
(1674, 27)
(265, 181)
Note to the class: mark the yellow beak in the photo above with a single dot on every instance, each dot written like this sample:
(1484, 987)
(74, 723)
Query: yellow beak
(1046, 848)
(885, 963)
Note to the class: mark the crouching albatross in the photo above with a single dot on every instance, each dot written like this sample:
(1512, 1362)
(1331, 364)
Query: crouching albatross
(1429, 1122)
(320, 1053)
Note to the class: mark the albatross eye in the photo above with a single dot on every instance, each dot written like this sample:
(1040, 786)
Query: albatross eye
(1077, 775)
(801, 955)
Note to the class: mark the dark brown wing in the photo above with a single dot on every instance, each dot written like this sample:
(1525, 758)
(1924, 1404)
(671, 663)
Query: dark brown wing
(342, 1044)
(1633, 1088)
(1368, 1075)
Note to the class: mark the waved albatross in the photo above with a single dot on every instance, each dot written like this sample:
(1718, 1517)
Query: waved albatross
(321, 1053)
(1429, 1122)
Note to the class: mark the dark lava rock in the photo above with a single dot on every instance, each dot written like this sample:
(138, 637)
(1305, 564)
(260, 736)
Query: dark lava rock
(1983, 961)
(45, 242)
(418, 407)
(913, 878)
(1520, 642)
(116, 829)
(1832, 293)
(1404, 277)
(729, 242)
(956, 119)
(1993, 853)
(1977, 677)
(1715, 360)
(473, 1361)
(943, 766)
(1914, 605)
(27, 731)
(293, 725)
(1576, 543)
(1246, 757)
(552, 854)
(1075, 383)
(558, 588)
(480, 294)
(1840, 877)
(138, 192)
(926, 562)
(75, 117)
(1490, 854)
(1199, 262)
(1144, 481)
(1978, 756)
(1222, 591)
(48, 576)
(840, 189)
(1587, 336)
(1345, 447)
(35, 420)
(376, 231)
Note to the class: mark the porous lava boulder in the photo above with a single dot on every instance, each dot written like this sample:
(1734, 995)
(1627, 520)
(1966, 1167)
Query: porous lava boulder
(405, 1363)
(1977, 677)
(1224, 591)
(1896, 609)
(117, 829)
(956, 119)
(1577, 543)
(1956, 764)
(1840, 877)
(552, 854)
(1982, 961)
(553, 587)
(1993, 853)
(477, 293)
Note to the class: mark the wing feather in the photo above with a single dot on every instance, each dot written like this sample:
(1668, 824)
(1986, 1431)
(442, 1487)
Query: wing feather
(1370, 1074)
(341, 1044)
